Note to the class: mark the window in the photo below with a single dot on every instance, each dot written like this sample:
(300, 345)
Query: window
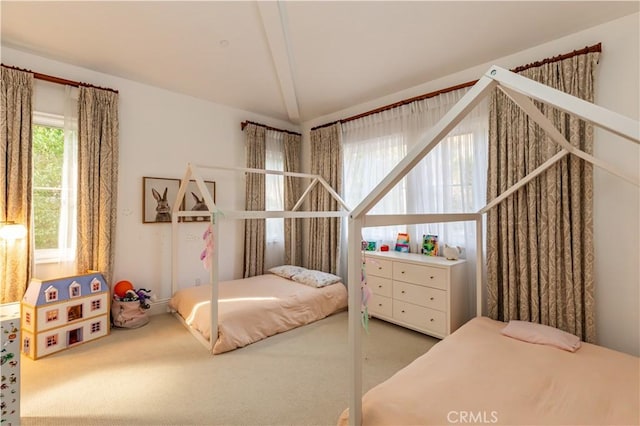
(74, 289)
(51, 294)
(274, 198)
(95, 327)
(26, 345)
(366, 162)
(52, 315)
(95, 305)
(52, 340)
(54, 177)
(74, 313)
(27, 318)
(95, 285)
(451, 178)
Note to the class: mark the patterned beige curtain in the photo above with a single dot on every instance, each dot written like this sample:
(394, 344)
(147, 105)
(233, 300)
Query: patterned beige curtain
(15, 181)
(323, 248)
(97, 179)
(254, 229)
(292, 148)
(540, 240)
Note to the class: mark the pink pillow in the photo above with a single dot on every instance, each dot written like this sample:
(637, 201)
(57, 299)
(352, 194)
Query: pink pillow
(541, 334)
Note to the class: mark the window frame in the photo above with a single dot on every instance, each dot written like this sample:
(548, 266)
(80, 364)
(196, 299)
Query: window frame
(48, 255)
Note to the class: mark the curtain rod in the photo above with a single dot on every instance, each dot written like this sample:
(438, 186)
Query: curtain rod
(58, 80)
(244, 124)
(588, 49)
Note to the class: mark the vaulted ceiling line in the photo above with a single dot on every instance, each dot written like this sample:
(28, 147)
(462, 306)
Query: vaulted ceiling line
(273, 15)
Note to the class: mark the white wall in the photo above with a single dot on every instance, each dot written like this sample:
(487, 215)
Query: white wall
(616, 203)
(160, 132)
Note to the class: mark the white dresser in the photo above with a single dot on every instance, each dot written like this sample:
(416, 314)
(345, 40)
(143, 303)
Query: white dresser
(424, 293)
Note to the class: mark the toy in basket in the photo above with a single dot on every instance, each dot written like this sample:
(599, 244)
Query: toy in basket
(128, 309)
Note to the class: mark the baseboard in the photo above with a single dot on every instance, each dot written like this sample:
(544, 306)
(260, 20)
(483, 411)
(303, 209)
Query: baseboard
(159, 307)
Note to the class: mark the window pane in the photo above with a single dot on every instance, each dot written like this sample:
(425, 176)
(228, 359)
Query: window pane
(48, 156)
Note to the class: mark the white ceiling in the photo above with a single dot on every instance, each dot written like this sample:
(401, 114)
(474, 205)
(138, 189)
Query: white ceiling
(291, 60)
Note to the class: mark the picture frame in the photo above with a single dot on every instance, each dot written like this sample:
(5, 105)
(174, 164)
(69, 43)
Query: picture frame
(193, 200)
(402, 242)
(430, 245)
(158, 196)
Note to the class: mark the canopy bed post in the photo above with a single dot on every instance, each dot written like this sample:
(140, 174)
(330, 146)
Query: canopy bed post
(174, 227)
(355, 306)
(174, 253)
(479, 263)
(214, 277)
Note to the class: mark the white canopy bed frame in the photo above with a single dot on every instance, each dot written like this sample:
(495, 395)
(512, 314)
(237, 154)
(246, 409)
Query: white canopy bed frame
(194, 172)
(520, 90)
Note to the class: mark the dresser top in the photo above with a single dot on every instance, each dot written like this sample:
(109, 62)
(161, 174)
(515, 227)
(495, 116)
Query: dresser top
(414, 258)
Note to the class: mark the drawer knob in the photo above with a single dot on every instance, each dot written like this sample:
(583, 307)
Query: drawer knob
(431, 277)
(379, 304)
(402, 292)
(431, 320)
(402, 272)
(379, 267)
(403, 311)
(431, 298)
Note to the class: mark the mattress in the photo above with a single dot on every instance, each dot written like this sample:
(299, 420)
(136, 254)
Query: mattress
(476, 375)
(253, 308)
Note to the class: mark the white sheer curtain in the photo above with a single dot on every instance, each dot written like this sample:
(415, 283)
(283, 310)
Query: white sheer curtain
(373, 145)
(67, 236)
(450, 179)
(274, 253)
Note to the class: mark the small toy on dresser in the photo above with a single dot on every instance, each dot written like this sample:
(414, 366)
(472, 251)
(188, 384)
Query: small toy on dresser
(451, 253)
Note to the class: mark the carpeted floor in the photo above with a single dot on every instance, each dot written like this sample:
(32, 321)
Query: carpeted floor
(160, 375)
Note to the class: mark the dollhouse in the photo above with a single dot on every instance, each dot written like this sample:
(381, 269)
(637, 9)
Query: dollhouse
(64, 312)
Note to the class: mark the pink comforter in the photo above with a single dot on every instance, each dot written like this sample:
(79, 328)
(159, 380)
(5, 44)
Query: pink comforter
(254, 308)
(476, 375)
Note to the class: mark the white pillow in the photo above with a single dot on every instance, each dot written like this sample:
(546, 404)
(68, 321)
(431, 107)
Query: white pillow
(287, 271)
(316, 278)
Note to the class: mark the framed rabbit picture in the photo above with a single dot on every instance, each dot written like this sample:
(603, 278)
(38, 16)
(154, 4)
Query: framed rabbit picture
(158, 196)
(194, 201)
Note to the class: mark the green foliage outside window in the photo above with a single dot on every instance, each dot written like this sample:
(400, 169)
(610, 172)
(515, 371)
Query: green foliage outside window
(48, 157)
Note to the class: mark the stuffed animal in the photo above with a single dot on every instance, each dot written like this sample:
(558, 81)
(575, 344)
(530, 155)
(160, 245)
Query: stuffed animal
(140, 295)
(451, 253)
(143, 295)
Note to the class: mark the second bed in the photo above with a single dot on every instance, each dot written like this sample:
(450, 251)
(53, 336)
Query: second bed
(254, 308)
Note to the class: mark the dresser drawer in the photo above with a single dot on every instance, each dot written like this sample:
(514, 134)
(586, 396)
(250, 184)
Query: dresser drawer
(420, 274)
(380, 305)
(418, 295)
(420, 317)
(379, 285)
(378, 267)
